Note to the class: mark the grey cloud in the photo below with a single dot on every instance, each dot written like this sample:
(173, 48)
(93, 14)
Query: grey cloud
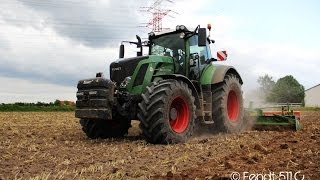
(14, 70)
(15, 13)
(4, 44)
(28, 49)
(93, 23)
(50, 62)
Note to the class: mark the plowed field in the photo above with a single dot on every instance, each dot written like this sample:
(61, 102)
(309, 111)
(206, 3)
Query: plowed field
(53, 146)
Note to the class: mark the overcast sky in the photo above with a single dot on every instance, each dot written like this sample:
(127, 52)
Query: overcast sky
(47, 46)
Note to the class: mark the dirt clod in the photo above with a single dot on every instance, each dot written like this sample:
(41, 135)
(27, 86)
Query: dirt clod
(204, 141)
(169, 174)
(284, 146)
(260, 148)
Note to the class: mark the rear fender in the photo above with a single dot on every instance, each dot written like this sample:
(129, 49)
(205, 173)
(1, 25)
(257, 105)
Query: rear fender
(213, 74)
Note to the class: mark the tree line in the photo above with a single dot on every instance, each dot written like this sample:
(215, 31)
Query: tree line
(285, 90)
(57, 105)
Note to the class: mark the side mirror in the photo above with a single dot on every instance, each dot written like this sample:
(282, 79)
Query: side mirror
(202, 37)
(139, 45)
(121, 51)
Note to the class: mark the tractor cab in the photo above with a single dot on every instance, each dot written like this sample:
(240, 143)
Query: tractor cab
(190, 50)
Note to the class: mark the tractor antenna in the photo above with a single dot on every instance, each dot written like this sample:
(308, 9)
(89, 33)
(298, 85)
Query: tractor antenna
(158, 13)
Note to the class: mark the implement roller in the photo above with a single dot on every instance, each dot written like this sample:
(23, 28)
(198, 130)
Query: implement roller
(274, 120)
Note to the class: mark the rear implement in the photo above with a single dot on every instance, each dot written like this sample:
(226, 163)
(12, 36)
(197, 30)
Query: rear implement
(275, 120)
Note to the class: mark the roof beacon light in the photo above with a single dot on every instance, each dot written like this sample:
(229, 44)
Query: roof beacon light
(209, 27)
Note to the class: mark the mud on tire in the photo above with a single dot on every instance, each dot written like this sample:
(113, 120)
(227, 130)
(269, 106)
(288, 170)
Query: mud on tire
(227, 105)
(167, 112)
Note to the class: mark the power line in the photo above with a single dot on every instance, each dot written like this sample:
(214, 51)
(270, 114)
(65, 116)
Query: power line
(158, 13)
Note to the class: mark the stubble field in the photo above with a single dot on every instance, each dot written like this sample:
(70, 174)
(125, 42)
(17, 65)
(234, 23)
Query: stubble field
(52, 146)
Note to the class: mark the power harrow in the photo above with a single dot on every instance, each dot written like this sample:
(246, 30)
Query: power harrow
(266, 119)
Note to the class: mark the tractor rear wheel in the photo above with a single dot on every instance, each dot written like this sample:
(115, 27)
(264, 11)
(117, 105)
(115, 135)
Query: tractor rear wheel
(227, 105)
(167, 112)
(101, 128)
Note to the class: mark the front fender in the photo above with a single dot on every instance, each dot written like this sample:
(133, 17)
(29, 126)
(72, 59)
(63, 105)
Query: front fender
(187, 81)
(146, 70)
(213, 74)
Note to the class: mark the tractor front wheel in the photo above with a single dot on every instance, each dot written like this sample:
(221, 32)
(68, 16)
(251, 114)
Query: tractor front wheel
(101, 128)
(227, 104)
(167, 112)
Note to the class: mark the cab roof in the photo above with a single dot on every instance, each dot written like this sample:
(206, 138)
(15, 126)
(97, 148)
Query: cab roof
(179, 28)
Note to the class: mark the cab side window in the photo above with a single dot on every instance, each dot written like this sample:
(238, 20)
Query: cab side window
(202, 51)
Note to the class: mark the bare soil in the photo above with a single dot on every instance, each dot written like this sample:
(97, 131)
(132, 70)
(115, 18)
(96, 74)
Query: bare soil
(53, 146)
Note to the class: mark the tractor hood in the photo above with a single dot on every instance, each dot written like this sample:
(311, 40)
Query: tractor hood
(123, 68)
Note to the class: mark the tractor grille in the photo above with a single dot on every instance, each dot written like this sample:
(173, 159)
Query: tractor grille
(119, 70)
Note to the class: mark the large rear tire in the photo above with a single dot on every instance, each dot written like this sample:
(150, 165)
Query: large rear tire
(167, 112)
(227, 105)
(95, 129)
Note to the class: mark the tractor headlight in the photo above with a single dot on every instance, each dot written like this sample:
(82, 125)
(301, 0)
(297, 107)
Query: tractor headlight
(151, 34)
(180, 28)
(125, 82)
(182, 35)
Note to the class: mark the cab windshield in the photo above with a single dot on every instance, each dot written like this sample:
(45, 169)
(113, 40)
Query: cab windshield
(168, 45)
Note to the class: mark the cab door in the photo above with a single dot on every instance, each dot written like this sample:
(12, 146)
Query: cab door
(196, 57)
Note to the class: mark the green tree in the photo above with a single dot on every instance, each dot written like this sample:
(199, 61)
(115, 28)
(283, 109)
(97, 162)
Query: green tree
(287, 90)
(57, 102)
(266, 84)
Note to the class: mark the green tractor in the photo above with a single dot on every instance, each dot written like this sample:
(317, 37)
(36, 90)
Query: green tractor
(171, 91)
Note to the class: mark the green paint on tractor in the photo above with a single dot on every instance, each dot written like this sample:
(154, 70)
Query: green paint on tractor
(156, 66)
(207, 74)
(283, 119)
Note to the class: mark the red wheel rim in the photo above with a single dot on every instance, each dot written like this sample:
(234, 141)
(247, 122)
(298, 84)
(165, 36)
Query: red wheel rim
(180, 122)
(233, 106)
